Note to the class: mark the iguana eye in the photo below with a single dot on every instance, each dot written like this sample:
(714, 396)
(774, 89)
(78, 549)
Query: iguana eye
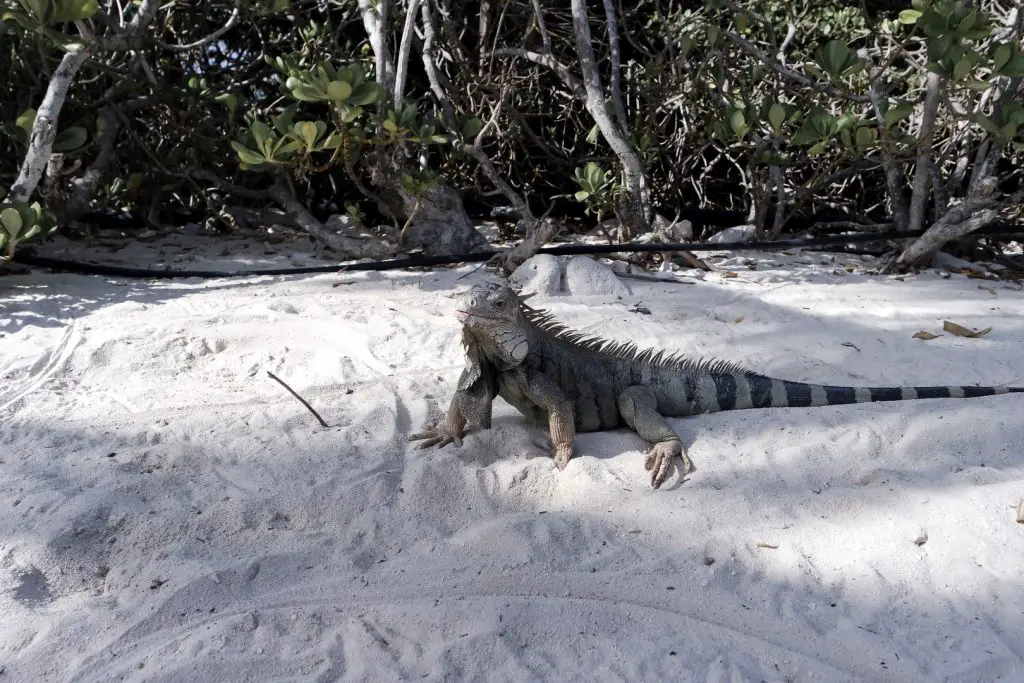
(500, 303)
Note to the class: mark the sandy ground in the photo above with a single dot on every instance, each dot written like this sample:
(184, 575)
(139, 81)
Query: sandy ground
(171, 513)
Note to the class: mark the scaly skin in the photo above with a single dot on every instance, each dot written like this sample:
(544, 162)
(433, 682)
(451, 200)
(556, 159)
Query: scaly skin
(578, 383)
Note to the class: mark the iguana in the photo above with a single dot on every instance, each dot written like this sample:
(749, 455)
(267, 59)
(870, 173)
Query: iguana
(579, 382)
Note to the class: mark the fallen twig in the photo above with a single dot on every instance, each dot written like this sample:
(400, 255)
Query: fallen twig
(301, 400)
(1020, 512)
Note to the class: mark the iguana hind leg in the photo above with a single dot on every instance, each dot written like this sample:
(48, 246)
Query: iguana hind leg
(639, 408)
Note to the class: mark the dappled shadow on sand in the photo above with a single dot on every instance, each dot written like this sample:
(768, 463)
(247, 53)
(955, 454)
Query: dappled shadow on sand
(323, 556)
(190, 537)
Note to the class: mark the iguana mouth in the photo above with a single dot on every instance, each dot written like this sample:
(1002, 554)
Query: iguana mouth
(476, 315)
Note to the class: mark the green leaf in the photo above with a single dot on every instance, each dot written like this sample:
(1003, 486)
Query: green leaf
(845, 121)
(777, 116)
(350, 114)
(714, 33)
(263, 135)
(365, 94)
(283, 121)
(306, 93)
(833, 57)
(865, 137)
(582, 195)
(306, 131)
(247, 155)
(1001, 57)
(897, 113)
(73, 10)
(286, 149)
(909, 16)
(229, 100)
(339, 91)
(1015, 68)
(987, 124)
(817, 127)
(818, 148)
(70, 139)
(11, 222)
(134, 180)
(390, 126)
(25, 121)
(592, 135)
(738, 123)
(333, 141)
(471, 128)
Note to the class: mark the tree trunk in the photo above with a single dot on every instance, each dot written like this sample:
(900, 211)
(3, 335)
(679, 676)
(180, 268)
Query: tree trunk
(634, 209)
(44, 130)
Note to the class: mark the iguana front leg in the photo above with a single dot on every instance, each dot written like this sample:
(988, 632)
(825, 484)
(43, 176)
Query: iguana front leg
(542, 391)
(469, 405)
(639, 408)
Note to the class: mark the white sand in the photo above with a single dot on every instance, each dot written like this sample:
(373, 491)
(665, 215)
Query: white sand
(171, 513)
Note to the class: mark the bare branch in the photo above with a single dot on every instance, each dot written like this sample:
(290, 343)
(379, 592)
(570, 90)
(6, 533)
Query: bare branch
(538, 14)
(402, 67)
(616, 66)
(550, 62)
(637, 207)
(972, 214)
(374, 23)
(794, 76)
(926, 138)
(202, 42)
(44, 130)
(893, 175)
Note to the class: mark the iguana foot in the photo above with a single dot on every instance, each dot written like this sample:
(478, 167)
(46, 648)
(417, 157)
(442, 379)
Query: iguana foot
(439, 436)
(562, 453)
(659, 461)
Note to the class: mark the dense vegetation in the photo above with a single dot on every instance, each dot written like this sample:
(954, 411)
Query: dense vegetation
(406, 117)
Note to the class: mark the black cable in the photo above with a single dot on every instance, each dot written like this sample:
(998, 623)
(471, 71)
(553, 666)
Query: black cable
(478, 256)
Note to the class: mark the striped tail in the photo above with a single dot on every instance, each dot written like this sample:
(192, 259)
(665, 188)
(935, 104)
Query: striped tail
(750, 390)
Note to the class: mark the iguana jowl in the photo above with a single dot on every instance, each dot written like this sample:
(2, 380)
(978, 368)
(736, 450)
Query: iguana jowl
(579, 382)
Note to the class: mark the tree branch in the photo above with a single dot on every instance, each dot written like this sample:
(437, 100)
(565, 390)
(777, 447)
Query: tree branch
(925, 140)
(550, 62)
(402, 67)
(373, 22)
(44, 129)
(616, 66)
(795, 76)
(202, 42)
(972, 214)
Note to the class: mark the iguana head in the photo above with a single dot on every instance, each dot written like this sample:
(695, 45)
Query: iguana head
(491, 312)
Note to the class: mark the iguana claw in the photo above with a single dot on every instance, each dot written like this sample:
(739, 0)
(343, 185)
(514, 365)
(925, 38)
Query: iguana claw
(439, 436)
(660, 458)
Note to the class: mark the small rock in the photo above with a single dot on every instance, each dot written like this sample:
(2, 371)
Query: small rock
(540, 274)
(737, 233)
(586, 277)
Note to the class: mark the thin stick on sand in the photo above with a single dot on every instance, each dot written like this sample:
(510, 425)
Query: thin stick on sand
(301, 400)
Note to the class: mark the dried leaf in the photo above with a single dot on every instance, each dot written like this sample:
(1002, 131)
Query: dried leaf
(771, 546)
(961, 331)
(1020, 512)
(729, 273)
(926, 335)
(739, 319)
